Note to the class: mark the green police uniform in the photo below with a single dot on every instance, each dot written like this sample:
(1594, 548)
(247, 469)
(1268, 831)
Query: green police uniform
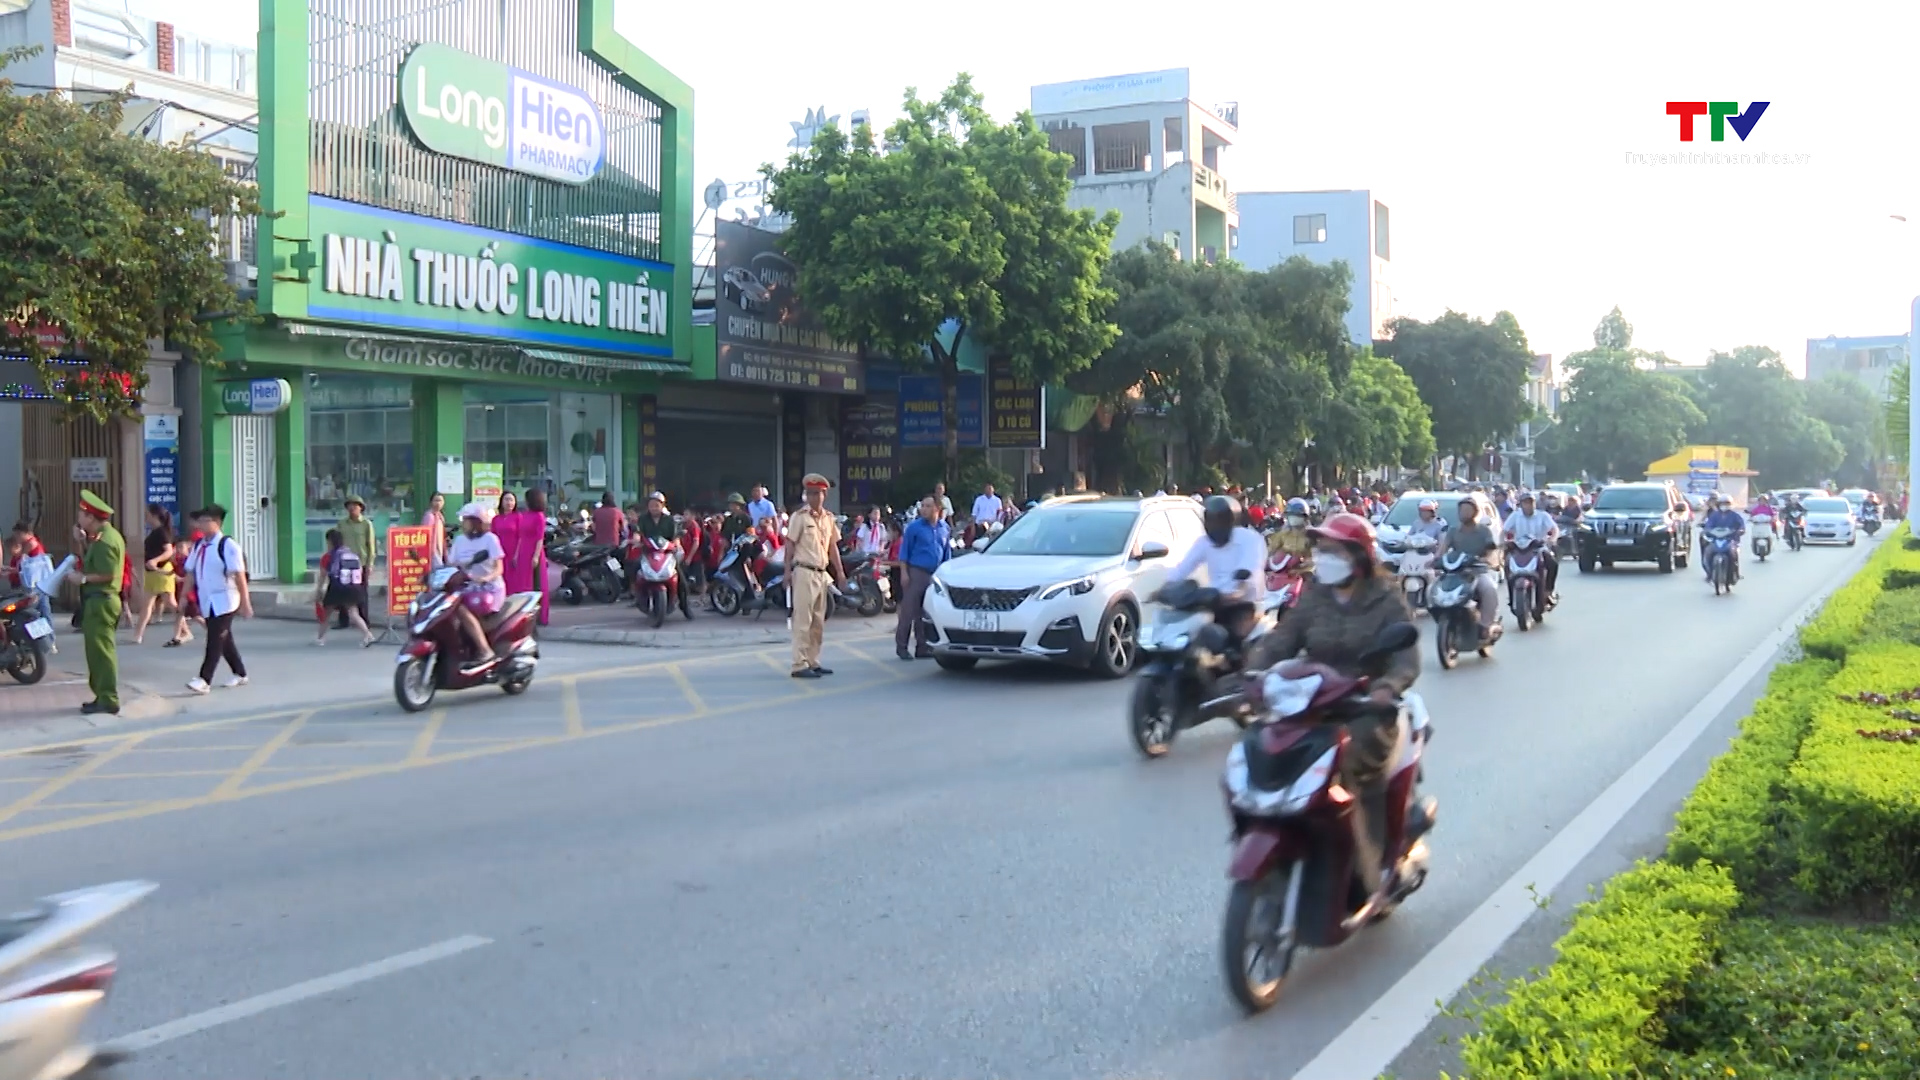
(106, 556)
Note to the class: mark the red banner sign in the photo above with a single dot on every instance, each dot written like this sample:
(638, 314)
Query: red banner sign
(409, 559)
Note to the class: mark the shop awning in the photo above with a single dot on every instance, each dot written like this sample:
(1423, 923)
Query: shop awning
(552, 356)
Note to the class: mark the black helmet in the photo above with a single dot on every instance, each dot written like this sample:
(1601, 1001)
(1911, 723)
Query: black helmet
(1221, 513)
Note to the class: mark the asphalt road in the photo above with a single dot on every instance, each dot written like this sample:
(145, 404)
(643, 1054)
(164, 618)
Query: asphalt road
(695, 867)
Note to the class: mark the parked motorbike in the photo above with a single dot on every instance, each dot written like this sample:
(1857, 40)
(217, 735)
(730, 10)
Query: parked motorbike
(869, 576)
(1721, 568)
(1762, 525)
(588, 570)
(1450, 600)
(1193, 664)
(51, 982)
(728, 589)
(1416, 570)
(1294, 842)
(28, 636)
(1869, 519)
(656, 580)
(1527, 594)
(437, 654)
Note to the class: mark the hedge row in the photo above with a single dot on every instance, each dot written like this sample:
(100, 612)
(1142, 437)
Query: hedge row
(1734, 815)
(1600, 1010)
(1596, 1010)
(1856, 800)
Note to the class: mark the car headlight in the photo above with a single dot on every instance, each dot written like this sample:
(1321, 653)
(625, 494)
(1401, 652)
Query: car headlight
(934, 584)
(1078, 587)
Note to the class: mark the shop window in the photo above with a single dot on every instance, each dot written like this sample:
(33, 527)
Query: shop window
(359, 442)
(567, 444)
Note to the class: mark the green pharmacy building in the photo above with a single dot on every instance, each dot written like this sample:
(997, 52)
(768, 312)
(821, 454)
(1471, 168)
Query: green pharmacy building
(473, 272)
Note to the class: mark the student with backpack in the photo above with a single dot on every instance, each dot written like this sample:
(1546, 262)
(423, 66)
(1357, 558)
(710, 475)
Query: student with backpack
(217, 571)
(342, 587)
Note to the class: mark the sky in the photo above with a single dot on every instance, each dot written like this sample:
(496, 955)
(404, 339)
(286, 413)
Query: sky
(1498, 133)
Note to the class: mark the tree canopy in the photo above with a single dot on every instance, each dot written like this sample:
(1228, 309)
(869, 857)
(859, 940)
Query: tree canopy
(954, 220)
(1750, 399)
(1472, 373)
(109, 246)
(1617, 417)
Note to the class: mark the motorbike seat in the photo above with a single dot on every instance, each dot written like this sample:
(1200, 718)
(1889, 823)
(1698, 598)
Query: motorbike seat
(515, 604)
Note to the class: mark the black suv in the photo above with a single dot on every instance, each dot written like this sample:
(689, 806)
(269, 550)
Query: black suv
(1645, 522)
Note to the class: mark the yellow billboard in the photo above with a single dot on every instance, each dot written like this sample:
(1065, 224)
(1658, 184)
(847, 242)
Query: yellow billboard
(1726, 460)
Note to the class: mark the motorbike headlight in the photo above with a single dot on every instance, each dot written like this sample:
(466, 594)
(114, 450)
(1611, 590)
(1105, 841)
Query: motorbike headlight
(1077, 587)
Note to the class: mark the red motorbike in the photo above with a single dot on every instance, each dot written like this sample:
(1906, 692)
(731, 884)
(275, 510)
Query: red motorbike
(656, 579)
(437, 654)
(1294, 842)
(1284, 579)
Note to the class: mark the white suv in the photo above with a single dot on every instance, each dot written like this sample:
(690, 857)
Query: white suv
(1065, 583)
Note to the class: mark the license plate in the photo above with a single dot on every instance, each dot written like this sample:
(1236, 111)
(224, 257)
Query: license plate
(613, 565)
(1621, 541)
(39, 628)
(983, 620)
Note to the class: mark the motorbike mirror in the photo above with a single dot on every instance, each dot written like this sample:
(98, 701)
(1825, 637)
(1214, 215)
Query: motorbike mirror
(1152, 549)
(981, 544)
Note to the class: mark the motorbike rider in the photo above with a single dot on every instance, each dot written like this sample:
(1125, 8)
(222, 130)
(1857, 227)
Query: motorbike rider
(1762, 514)
(1291, 537)
(1794, 513)
(1723, 516)
(1530, 523)
(1341, 613)
(1476, 541)
(1229, 548)
(656, 524)
(1429, 525)
(486, 589)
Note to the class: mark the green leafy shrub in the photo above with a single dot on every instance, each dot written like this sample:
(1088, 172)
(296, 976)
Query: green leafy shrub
(1596, 1012)
(1856, 801)
(1837, 627)
(1789, 1000)
(1734, 815)
(1895, 617)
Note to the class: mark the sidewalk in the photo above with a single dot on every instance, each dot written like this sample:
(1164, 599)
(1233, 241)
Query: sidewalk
(614, 624)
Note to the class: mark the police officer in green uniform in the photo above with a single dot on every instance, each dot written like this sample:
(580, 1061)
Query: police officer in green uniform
(99, 578)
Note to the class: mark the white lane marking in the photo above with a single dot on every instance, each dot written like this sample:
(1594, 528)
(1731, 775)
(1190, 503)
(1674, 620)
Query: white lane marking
(326, 984)
(1376, 1037)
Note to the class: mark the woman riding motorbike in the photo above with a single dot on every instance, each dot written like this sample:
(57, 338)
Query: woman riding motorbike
(1339, 617)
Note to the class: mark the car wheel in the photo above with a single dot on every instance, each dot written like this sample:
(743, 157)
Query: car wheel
(955, 663)
(1587, 564)
(1666, 560)
(1118, 643)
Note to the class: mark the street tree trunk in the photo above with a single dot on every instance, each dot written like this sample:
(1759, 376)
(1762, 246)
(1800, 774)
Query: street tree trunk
(947, 362)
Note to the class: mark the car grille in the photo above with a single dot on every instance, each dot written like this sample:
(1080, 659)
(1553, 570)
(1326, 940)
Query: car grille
(1005, 639)
(1622, 528)
(987, 599)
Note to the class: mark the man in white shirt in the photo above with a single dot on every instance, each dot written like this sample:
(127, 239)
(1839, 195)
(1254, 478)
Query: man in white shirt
(1527, 522)
(940, 496)
(1228, 549)
(217, 571)
(987, 508)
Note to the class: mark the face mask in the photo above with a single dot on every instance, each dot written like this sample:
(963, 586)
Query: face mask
(1331, 569)
(1296, 520)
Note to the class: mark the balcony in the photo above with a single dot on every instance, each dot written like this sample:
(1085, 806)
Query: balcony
(1210, 187)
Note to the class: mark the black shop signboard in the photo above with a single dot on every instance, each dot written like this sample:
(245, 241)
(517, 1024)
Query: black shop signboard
(869, 451)
(1016, 409)
(764, 335)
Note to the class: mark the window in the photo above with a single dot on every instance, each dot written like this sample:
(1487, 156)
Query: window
(1072, 141)
(1154, 529)
(1122, 148)
(1310, 228)
(1380, 247)
(1631, 499)
(1068, 530)
(1174, 148)
(359, 442)
(1188, 529)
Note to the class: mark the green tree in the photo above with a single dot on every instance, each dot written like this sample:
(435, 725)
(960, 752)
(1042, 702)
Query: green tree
(1898, 416)
(1615, 333)
(1472, 373)
(107, 242)
(1750, 399)
(1375, 417)
(1617, 417)
(956, 221)
(1856, 420)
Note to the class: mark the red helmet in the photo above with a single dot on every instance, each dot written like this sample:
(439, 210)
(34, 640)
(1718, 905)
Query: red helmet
(1348, 528)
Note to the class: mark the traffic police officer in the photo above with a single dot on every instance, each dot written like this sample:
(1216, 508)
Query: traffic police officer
(99, 579)
(813, 552)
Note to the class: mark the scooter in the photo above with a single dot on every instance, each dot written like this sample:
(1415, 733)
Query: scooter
(1294, 824)
(728, 588)
(1526, 583)
(656, 580)
(1416, 570)
(587, 571)
(1796, 529)
(1193, 665)
(436, 654)
(1762, 536)
(51, 982)
(1721, 569)
(23, 653)
(1869, 519)
(869, 575)
(1450, 600)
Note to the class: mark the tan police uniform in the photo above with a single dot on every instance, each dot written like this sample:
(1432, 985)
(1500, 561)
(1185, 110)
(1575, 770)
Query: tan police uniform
(810, 543)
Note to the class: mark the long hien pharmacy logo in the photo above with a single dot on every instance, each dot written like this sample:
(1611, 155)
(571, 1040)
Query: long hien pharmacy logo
(470, 107)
